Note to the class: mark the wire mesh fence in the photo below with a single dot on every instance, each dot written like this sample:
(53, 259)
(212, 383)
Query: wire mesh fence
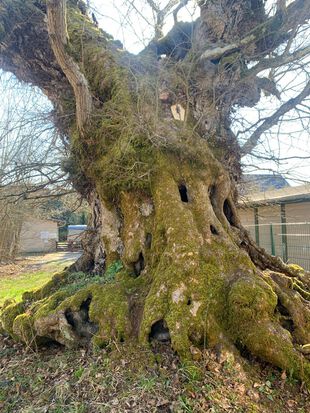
(290, 241)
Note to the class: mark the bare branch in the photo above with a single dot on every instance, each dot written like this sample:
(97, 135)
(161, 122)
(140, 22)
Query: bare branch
(272, 120)
(57, 30)
(279, 61)
(161, 15)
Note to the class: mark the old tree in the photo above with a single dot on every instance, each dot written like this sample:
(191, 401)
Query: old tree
(162, 190)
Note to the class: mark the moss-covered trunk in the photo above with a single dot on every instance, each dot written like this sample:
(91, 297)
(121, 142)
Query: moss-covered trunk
(178, 265)
(183, 274)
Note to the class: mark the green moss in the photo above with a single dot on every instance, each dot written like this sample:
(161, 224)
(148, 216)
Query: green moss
(252, 322)
(44, 301)
(24, 329)
(8, 315)
(109, 305)
(51, 286)
(48, 305)
(249, 297)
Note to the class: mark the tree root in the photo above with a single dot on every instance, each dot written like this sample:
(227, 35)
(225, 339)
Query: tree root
(260, 313)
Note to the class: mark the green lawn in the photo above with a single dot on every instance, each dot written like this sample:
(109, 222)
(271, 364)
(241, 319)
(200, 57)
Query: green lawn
(14, 287)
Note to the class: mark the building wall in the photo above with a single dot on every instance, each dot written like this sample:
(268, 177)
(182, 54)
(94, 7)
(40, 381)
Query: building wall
(246, 215)
(267, 215)
(299, 212)
(38, 236)
(75, 234)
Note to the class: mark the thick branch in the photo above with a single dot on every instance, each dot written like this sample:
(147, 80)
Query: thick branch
(272, 120)
(217, 52)
(275, 28)
(56, 22)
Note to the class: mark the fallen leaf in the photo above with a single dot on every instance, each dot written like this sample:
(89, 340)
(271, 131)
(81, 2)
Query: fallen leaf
(291, 403)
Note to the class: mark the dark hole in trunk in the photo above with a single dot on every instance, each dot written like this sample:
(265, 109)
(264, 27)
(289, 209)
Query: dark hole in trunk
(229, 213)
(215, 61)
(79, 320)
(244, 352)
(85, 309)
(281, 309)
(284, 317)
(189, 301)
(213, 230)
(183, 193)
(148, 240)
(287, 323)
(139, 265)
(70, 318)
(159, 331)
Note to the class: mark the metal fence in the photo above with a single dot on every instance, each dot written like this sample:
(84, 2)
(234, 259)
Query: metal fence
(290, 241)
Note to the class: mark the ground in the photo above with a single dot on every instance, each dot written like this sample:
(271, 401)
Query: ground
(30, 272)
(127, 378)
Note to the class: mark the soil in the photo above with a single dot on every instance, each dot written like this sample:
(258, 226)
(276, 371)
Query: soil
(36, 262)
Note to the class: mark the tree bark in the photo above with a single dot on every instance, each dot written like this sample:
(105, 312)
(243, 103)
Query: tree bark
(163, 195)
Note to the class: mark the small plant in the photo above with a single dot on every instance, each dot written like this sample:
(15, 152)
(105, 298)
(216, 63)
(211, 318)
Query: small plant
(147, 383)
(191, 372)
(185, 404)
(112, 270)
(78, 373)
(266, 389)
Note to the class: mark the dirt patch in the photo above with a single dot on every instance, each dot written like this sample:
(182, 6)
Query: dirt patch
(33, 263)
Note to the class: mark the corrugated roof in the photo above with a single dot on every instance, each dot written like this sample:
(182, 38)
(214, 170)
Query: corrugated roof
(78, 227)
(287, 194)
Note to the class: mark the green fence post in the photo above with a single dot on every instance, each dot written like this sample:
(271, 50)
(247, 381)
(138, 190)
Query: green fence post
(284, 233)
(256, 225)
(273, 250)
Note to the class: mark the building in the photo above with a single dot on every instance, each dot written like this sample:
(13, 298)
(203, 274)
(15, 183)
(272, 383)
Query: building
(75, 232)
(279, 221)
(38, 235)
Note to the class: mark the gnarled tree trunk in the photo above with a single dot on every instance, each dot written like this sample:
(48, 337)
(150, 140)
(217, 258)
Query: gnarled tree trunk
(162, 189)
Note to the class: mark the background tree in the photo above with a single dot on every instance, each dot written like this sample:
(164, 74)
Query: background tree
(32, 152)
(153, 151)
(31, 149)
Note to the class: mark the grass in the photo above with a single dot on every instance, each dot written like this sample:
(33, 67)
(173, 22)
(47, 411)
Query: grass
(14, 287)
